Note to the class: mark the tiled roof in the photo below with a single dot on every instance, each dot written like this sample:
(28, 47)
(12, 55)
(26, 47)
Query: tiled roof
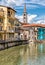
(25, 23)
(34, 25)
(7, 7)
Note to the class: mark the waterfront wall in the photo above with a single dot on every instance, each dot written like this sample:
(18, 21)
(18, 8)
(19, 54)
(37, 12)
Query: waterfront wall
(8, 44)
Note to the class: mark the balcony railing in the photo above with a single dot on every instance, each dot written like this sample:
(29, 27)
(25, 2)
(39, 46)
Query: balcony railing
(1, 31)
(11, 31)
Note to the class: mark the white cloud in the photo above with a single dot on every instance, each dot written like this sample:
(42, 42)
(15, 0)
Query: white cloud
(20, 17)
(20, 2)
(41, 2)
(11, 3)
(31, 6)
(31, 19)
(41, 21)
(16, 2)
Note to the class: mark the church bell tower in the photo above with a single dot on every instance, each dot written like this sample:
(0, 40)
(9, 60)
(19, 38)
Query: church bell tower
(25, 14)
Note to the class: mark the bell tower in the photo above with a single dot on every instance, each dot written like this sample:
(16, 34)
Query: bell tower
(25, 14)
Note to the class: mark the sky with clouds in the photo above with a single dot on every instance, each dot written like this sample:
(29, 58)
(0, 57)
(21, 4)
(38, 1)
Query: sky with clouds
(35, 9)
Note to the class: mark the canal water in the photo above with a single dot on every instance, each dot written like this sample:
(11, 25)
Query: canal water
(31, 54)
(28, 54)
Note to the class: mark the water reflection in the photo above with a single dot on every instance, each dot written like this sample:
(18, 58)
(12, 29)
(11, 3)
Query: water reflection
(31, 54)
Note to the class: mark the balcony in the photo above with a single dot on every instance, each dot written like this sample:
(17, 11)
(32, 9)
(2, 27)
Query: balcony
(17, 30)
(10, 31)
(1, 31)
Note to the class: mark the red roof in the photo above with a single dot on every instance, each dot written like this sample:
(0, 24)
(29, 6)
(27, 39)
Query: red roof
(25, 23)
(34, 25)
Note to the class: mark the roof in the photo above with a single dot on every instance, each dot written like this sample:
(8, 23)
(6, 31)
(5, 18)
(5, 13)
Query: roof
(25, 23)
(34, 25)
(43, 25)
(7, 7)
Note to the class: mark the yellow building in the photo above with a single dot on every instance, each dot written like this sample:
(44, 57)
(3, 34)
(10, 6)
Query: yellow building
(18, 27)
(7, 23)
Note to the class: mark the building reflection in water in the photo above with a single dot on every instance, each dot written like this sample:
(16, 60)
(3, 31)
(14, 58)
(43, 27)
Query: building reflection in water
(28, 52)
(31, 53)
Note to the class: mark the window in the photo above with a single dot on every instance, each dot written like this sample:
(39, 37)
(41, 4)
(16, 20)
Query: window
(16, 24)
(16, 29)
(0, 28)
(11, 35)
(1, 19)
(8, 13)
(24, 14)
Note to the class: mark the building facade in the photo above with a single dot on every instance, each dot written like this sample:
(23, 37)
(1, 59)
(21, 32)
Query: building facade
(8, 23)
(7, 18)
(41, 33)
(18, 26)
(36, 31)
(11, 27)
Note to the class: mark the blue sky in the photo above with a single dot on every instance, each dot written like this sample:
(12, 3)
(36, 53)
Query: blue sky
(35, 9)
